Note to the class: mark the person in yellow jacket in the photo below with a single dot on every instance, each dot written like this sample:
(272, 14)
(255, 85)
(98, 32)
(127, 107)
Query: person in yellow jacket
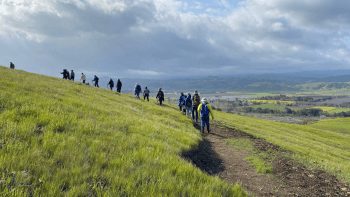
(204, 109)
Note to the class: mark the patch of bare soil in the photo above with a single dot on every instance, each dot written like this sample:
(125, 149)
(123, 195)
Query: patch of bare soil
(216, 158)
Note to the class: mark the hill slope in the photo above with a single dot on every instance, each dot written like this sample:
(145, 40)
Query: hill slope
(325, 148)
(61, 138)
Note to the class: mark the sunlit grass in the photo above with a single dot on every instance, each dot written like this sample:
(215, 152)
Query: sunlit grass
(272, 101)
(62, 138)
(319, 148)
(339, 125)
(325, 108)
(256, 158)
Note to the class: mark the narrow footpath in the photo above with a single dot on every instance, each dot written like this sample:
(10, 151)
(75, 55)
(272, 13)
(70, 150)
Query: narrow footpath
(215, 157)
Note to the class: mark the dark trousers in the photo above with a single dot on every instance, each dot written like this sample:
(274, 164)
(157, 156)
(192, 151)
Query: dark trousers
(83, 81)
(72, 78)
(96, 84)
(195, 111)
(205, 121)
(118, 89)
(146, 96)
(160, 101)
(111, 87)
(180, 108)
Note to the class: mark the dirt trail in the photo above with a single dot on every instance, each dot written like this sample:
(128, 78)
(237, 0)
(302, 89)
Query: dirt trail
(215, 157)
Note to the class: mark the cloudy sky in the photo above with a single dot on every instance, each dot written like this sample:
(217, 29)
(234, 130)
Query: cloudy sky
(170, 38)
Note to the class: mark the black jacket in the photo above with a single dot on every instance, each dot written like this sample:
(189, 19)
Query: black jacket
(119, 84)
(160, 95)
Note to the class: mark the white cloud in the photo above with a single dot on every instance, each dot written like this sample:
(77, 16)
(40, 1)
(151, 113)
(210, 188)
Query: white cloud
(144, 72)
(153, 37)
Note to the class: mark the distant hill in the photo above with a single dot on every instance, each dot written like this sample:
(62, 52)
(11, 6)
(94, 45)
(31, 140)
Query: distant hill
(256, 83)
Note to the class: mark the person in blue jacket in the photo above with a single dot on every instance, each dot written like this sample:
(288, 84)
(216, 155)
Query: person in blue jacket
(181, 101)
(137, 90)
(204, 109)
(188, 104)
(111, 84)
(96, 81)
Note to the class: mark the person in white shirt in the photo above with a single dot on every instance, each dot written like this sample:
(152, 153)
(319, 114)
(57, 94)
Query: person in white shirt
(83, 77)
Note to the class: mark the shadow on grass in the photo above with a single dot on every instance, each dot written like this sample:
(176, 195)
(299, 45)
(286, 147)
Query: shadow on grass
(204, 157)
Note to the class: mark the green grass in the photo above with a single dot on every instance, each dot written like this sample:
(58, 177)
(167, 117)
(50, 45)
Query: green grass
(269, 106)
(256, 158)
(62, 138)
(329, 149)
(338, 110)
(339, 125)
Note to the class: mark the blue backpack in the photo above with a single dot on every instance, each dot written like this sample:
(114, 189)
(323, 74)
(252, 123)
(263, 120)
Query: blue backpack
(138, 87)
(205, 109)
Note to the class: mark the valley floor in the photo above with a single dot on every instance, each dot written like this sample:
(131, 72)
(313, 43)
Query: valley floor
(217, 157)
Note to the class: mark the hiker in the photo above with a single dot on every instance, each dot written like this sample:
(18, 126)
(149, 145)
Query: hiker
(204, 109)
(184, 106)
(72, 75)
(119, 85)
(65, 74)
(160, 96)
(137, 90)
(146, 94)
(111, 84)
(181, 101)
(96, 81)
(188, 104)
(83, 77)
(195, 102)
(12, 65)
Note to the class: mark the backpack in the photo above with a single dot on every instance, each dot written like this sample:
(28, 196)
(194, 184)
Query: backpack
(97, 79)
(196, 100)
(205, 109)
(147, 91)
(138, 87)
(189, 103)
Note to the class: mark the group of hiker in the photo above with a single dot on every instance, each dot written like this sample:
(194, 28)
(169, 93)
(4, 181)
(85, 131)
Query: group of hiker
(195, 105)
(118, 85)
(71, 76)
(187, 104)
(146, 92)
(68, 76)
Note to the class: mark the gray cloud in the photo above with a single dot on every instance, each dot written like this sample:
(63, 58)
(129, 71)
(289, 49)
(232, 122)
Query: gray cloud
(159, 39)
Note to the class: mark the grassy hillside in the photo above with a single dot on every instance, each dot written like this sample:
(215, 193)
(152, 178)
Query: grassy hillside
(61, 138)
(315, 146)
(269, 106)
(339, 125)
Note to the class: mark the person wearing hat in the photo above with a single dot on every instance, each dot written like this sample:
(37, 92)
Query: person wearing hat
(72, 75)
(146, 94)
(96, 81)
(160, 96)
(195, 102)
(137, 90)
(204, 109)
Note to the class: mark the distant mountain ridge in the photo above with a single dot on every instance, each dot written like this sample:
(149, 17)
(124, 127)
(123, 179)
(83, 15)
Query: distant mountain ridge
(256, 83)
